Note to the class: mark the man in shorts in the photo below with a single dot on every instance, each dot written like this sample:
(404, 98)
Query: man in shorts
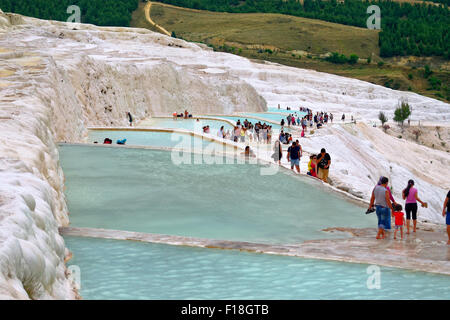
(324, 161)
(381, 200)
(294, 156)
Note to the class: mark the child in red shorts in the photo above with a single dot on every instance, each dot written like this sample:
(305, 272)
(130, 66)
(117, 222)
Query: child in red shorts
(399, 220)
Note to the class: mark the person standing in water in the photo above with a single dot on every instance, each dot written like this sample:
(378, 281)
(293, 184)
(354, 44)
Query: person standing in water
(380, 198)
(446, 213)
(388, 227)
(410, 194)
(130, 119)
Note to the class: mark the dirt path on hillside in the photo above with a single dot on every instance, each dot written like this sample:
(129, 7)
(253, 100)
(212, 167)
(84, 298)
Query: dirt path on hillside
(147, 17)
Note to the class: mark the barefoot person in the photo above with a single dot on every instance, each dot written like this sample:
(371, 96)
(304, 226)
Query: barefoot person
(388, 227)
(380, 198)
(410, 194)
(399, 220)
(446, 213)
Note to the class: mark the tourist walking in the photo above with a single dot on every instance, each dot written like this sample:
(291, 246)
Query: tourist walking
(399, 220)
(293, 156)
(446, 214)
(410, 194)
(388, 227)
(380, 198)
(130, 119)
(323, 164)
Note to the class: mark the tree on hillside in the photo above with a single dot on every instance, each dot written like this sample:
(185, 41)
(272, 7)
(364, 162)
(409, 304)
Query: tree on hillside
(402, 113)
(382, 118)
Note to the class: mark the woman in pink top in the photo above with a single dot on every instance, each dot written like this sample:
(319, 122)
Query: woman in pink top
(410, 194)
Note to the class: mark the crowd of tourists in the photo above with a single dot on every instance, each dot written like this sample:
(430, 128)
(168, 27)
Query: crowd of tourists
(248, 132)
(318, 165)
(318, 120)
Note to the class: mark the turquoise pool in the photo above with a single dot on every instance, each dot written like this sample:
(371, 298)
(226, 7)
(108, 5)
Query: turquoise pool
(156, 139)
(188, 124)
(143, 190)
(112, 269)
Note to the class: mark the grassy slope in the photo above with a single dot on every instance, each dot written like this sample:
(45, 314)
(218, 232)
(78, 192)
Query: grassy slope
(275, 30)
(292, 39)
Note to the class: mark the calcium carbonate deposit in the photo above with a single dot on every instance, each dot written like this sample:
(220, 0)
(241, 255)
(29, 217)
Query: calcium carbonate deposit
(57, 79)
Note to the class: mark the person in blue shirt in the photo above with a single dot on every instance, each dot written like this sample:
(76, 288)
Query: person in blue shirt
(294, 156)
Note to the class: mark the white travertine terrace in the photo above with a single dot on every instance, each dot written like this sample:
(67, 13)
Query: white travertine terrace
(57, 79)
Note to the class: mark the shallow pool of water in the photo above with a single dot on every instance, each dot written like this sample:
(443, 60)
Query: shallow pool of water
(112, 269)
(158, 139)
(188, 124)
(145, 191)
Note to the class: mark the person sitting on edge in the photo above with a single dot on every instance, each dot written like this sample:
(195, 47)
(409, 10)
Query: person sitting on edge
(312, 166)
(399, 220)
